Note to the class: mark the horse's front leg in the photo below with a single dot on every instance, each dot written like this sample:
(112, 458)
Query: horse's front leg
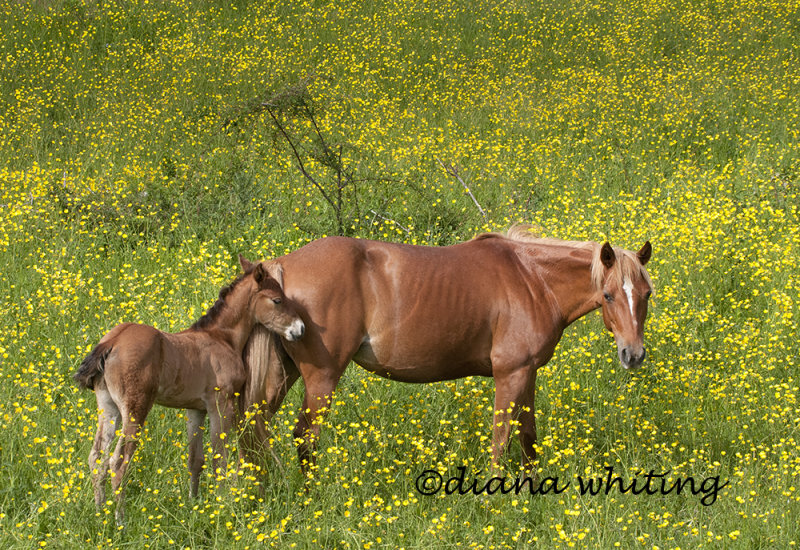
(194, 431)
(319, 391)
(514, 408)
(281, 374)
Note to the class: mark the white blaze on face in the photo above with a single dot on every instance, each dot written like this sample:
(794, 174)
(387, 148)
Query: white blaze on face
(627, 286)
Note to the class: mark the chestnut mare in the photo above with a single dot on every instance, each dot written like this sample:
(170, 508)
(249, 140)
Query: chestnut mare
(493, 306)
(200, 369)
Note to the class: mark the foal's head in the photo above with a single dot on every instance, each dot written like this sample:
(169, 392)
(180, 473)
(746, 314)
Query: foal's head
(626, 290)
(269, 305)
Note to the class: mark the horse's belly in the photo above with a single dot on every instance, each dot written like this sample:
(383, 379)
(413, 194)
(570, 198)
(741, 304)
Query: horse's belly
(413, 365)
(181, 394)
(177, 402)
(184, 386)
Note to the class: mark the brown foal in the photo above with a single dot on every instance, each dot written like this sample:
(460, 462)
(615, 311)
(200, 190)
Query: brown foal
(200, 369)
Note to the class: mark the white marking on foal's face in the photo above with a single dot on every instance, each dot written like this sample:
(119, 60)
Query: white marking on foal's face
(295, 331)
(627, 286)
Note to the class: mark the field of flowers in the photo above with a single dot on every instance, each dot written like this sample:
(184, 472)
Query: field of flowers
(126, 193)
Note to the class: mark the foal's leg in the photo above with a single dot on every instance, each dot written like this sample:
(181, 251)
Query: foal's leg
(221, 417)
(194, 431)
(107, 423)
(133, 417)
(513, 401)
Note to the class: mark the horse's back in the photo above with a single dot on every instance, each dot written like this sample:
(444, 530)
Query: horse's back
(375, 277)
(345, 261)
(403, 311)
(132, 336)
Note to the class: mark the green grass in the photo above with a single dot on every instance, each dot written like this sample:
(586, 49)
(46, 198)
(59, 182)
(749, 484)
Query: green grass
(125, 197)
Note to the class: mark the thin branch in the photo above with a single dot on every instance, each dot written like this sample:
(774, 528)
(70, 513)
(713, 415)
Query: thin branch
(299, 159)
(451, 170)
(408, 232)
(313, 119)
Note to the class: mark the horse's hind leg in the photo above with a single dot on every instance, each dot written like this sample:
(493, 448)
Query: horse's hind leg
(133, 418)
(107, 423)
(194, 424)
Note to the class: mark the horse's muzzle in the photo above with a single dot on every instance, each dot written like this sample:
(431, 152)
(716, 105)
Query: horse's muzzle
(295, 331)
(631, 357)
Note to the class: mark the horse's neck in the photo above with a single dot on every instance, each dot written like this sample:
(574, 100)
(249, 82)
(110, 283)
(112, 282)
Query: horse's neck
(231, 328)
(569, 276)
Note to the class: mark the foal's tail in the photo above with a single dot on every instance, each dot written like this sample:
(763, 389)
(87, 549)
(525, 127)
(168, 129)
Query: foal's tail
(93, 366)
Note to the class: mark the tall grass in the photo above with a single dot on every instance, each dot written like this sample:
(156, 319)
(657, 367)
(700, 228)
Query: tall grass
(125, 197)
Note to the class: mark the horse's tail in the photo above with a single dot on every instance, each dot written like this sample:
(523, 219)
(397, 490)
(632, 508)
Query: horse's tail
(270, 374)
(256, 356)
(93, 366)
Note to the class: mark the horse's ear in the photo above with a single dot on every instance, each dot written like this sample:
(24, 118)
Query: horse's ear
(607, 256)
(246, 264)
(645, 253)
(275, 270)
(259, 273)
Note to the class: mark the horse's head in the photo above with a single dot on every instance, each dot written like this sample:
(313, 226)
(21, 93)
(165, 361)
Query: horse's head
(626, 290)
(269, 305)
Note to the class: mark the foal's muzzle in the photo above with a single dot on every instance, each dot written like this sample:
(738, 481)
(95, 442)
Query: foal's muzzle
(295, 331)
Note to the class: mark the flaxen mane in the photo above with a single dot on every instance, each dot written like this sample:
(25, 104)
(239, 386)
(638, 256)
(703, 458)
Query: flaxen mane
(627, 267)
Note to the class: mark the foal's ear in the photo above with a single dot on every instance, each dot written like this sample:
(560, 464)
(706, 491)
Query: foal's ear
(644, 253)
(607, 256)
(246, 264)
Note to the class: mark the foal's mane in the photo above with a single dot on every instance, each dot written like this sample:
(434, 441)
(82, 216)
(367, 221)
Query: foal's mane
(627, 266)
(213, 313)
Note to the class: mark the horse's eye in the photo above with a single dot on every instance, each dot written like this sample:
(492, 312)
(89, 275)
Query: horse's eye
(647, 295)
(276, 300)
(609, 298)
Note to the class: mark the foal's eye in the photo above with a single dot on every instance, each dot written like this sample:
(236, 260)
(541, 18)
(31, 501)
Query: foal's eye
(609, 298)
(276, 300)
(647, 295)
